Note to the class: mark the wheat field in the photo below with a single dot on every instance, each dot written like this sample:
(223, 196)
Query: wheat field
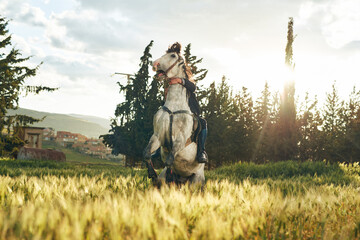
(105, 203)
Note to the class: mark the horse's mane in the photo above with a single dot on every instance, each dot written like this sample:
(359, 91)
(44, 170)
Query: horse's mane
(176, 48)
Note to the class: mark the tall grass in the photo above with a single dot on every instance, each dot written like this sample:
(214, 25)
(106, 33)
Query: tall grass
(242, 201)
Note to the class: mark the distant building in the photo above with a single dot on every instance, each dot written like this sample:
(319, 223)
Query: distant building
(32, 136)
(94, 141)
(81, 138)
(32, 149)
(49, 134)
(63, 138)
(93, 147)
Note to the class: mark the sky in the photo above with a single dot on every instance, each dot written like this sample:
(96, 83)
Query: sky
(82, 43)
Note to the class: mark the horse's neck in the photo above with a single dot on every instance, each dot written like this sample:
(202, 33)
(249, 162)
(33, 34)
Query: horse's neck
(177, 98)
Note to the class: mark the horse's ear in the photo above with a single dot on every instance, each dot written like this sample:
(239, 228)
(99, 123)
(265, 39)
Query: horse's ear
(176, 47)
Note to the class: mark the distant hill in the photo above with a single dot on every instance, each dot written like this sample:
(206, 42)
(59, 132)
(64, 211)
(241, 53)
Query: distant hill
(89, 126)
(105, 123)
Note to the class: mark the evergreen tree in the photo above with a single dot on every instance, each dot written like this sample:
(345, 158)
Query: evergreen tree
(311, 140)
(132, 126)
(263, 121)
(243, 128)
(272, 146)
(334, 126)
(351, 148)
(198, 73)
(286, 127)
(219, 114)
(13, 76)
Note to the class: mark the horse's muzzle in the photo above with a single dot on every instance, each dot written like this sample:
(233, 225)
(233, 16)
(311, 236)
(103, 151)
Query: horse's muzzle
(155, 66)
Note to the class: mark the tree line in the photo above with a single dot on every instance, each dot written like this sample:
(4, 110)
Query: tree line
(272, 127)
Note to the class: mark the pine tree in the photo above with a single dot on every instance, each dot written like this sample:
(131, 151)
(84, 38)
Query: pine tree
(219, 112)
(263, 121)
(199, 74)
(243, 127)
(351, 148)
(272, 146)
(334, 126)
(311, 140)
(132, 125)
(12, 85)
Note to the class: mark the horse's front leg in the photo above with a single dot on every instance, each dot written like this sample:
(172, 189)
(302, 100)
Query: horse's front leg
(152, 146)
(178, 145)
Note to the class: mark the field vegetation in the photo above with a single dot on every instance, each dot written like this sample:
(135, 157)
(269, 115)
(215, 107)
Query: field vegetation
(77, 157)
(285, 200)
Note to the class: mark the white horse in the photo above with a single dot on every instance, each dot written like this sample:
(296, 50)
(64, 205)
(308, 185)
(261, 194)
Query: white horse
(174, 125)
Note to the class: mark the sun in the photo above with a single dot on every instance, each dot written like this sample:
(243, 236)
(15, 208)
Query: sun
(253, 73)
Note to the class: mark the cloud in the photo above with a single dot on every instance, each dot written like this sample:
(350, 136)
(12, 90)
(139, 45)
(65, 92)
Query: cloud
(32, 15)
(352, 46)
(92, 32)
(23, 12)
(339, 21)
(71, 67)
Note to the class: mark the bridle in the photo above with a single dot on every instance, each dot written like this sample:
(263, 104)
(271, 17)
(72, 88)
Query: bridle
(173, 65)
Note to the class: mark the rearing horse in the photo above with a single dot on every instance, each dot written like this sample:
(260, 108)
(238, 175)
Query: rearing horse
(174, 125)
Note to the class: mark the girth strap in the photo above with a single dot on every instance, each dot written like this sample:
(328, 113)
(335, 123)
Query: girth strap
(172, 119)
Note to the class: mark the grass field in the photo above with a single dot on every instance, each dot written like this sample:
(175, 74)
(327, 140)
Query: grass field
(73, 156)
(286, 200)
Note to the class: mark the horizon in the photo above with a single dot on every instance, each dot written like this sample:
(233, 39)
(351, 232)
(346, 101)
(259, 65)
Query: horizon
(83, 42)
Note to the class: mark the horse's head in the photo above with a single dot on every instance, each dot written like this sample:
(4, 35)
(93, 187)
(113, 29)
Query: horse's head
(171, 64)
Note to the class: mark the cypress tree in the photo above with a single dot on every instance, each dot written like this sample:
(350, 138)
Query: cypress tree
(131, 128)
(286, 127)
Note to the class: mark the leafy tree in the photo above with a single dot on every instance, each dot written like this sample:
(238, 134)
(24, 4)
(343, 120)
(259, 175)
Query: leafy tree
(13, 75)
